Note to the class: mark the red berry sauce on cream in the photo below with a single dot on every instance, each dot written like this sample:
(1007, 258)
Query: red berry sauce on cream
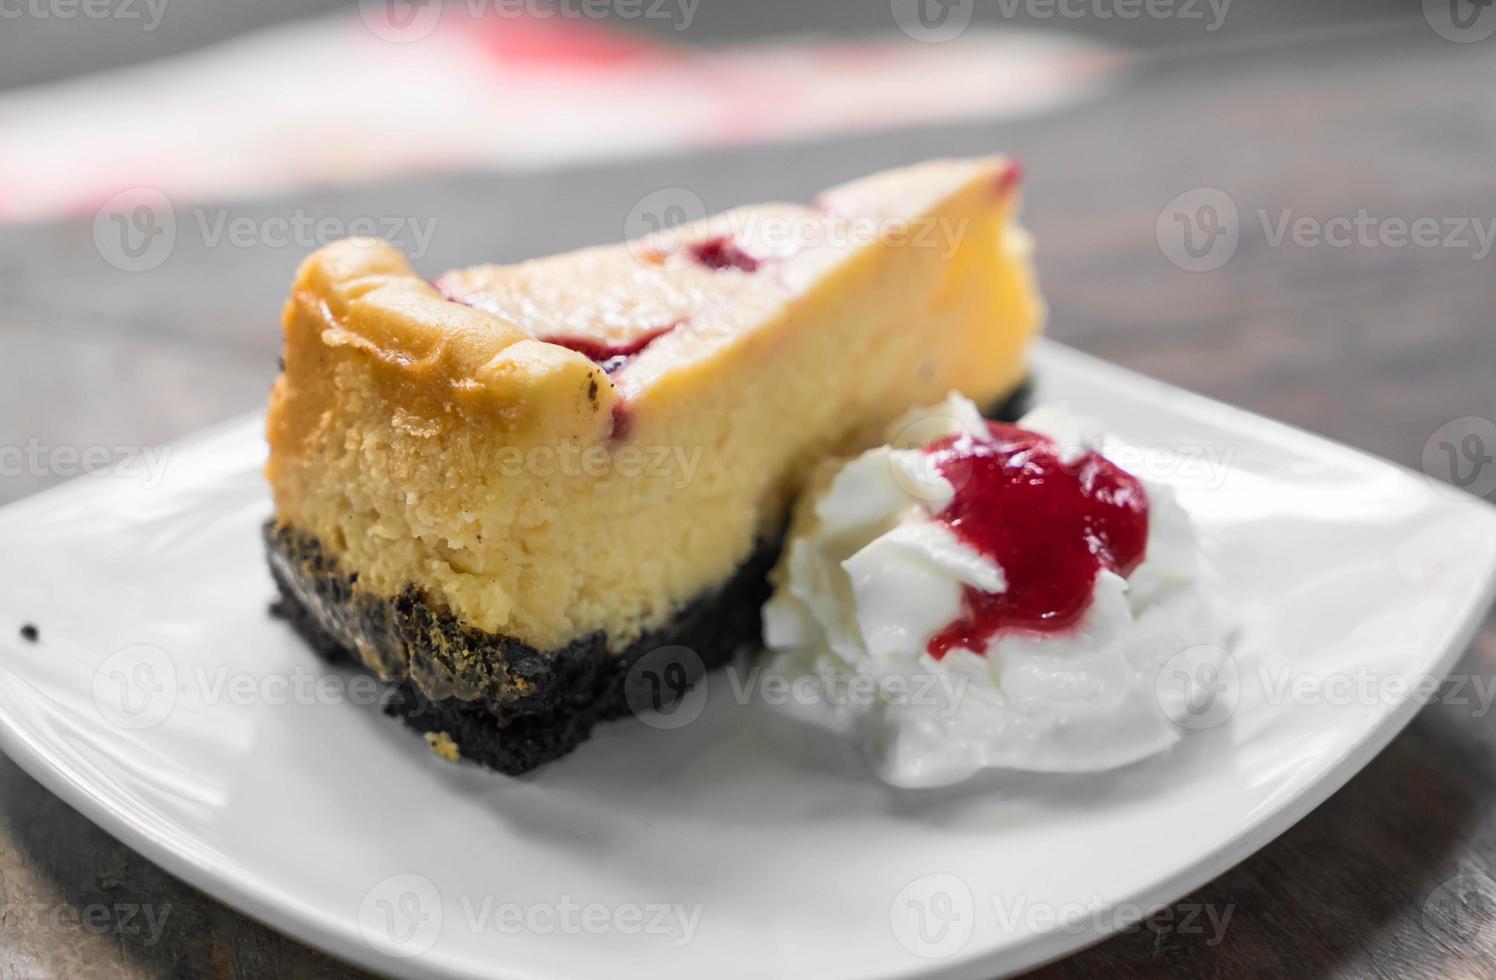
(1052, 525)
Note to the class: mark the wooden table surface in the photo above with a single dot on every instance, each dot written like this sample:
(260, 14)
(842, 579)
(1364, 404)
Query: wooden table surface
(1378, 345)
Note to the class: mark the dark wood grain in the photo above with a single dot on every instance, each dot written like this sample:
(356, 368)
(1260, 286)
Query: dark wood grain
(1377, 347)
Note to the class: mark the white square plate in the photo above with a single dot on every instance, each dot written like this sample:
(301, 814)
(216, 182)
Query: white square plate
(164, 703)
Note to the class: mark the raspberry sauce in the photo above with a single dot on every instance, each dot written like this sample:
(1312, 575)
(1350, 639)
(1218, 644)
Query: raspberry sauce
(723, 253)
(1009, 179)
(1052, 525)
(622, 421)
(610, 357)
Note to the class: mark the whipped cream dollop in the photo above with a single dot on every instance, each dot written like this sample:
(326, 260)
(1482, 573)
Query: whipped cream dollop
(883, 587)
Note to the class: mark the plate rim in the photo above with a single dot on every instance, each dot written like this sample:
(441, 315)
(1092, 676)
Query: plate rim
(284, 912)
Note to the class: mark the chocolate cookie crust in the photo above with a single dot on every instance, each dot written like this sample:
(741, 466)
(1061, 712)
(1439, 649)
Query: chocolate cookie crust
(537, 706)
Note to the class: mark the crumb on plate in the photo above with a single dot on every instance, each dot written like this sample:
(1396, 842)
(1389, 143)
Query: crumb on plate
(441, 743)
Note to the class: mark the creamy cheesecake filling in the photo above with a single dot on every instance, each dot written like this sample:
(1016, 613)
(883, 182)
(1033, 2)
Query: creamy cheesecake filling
(440, 446)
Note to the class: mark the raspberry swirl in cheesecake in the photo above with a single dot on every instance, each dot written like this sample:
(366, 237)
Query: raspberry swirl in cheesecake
(1041, 586)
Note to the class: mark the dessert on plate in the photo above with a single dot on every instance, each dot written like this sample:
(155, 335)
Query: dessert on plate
(975, 595)
(503, 489)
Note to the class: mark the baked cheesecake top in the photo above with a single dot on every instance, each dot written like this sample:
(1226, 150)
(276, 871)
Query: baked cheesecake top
(633, 313)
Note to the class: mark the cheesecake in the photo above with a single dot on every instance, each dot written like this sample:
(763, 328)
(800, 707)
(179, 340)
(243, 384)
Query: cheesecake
(504, 490)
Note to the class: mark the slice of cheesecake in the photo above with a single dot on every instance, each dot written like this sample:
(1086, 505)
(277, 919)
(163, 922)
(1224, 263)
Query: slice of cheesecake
(503, 490)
